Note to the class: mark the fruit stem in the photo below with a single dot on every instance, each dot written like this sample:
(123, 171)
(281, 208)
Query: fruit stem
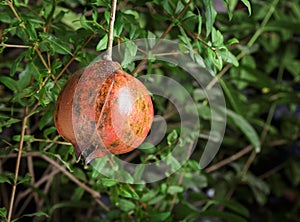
(108, 55)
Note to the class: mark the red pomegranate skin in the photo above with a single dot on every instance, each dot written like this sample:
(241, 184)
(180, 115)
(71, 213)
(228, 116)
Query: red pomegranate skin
(102, 109)
(63, 109)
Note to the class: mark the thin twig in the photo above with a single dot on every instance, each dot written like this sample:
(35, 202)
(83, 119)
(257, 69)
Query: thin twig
(108, 55)
(272, 171)
(132, 156)
(198, 37)
(52, 141)
(248, 163)
(223, 71)
(73, 57)
(47, 186)
(30, 164)
(262, 139)
(12, 199)
(95, 194)
(173, 202)
(163, 36)
(15, 46)
(68, 174)
(10, 4)
(42, 59)
(230, 159)
(46, 177)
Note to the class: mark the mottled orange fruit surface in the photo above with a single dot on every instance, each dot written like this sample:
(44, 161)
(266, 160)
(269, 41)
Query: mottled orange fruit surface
(103, 109)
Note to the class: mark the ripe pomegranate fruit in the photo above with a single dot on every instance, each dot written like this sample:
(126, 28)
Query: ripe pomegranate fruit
(103, 109)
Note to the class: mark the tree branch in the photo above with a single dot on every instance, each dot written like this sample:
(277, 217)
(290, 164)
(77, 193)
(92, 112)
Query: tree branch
(13, 192)
(108, 55)
(230, 159)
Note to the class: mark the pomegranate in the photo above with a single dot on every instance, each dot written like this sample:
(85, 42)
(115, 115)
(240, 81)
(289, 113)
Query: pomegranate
(102, 109)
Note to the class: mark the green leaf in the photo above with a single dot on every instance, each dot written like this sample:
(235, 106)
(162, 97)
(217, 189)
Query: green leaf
(172, 137)
(217, 38)
(118, 28)
(194, 165)
(25, 77)
(86, 24)
(230, 5)
(48, 131)
(294, 68)
(149, 195)
(4, 179)
(79, 173)
(139, 170)
(10, 83)
(36, 214)
(199, 28)
(210, 15)
(256, 78)
(125, 176)
(129, 192)
(25, 179)
(47, 117)
(211, 59)
(156, 199)
(160, 217)
(248, 5)
(185, 39)
(135, 14)
(221, 215)
(48, 11)
(126, 205)
(95, 14)
(78, 193)
(285, 26)
(167, 7)
(25, 97)
(204, 111)
(194, 181)
(199, 94)
(234, 206)
(260, 188)
(293, 172)
(30, 30)
(102, 44)
(66, 164)
(174, 189)
(69, 204)
(98, 165)
(107, 15)
(179, 7)
(217, 60)
(7, 122)
(108, 182)
(17, 62)
(3, 212)
(228, 57)
(232, 41)
(28, 138)
(129, 54)
(246, 128)
(56, 44)
(5, 18)
(233, 97)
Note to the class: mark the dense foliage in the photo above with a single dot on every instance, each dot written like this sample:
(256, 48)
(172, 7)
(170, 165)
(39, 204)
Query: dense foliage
(251, 47)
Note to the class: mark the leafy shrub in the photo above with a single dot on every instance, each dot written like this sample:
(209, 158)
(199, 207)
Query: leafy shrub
(253, 50)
